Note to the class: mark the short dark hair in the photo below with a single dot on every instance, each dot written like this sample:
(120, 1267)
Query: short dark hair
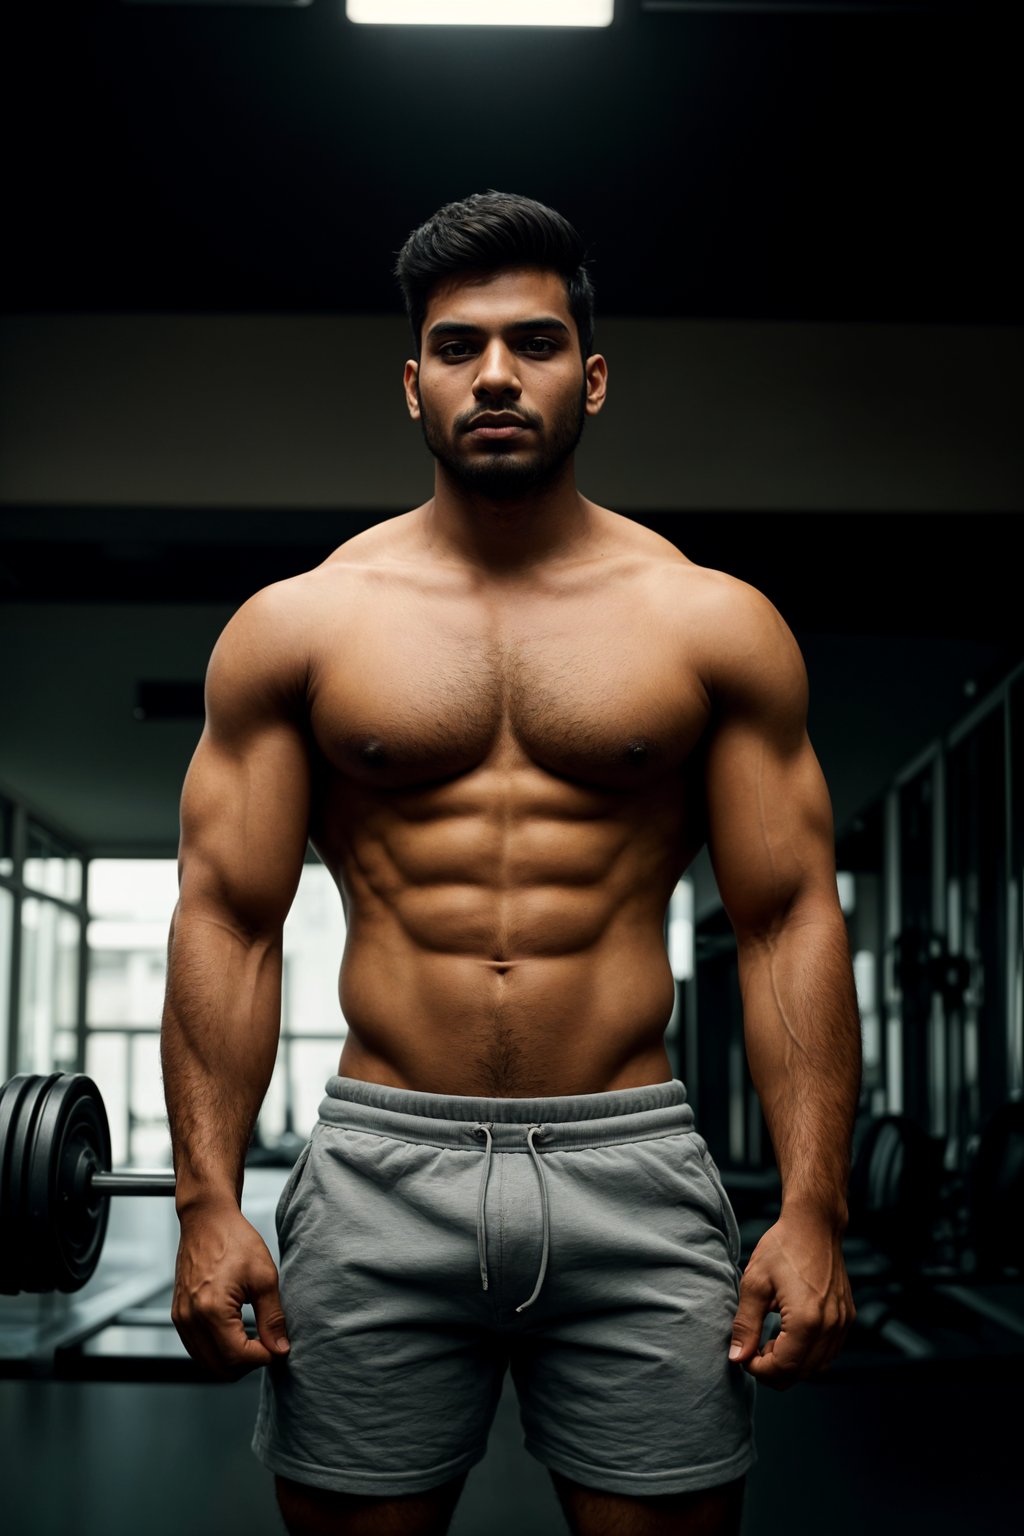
(486, 232)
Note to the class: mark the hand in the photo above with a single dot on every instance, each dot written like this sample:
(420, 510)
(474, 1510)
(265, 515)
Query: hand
(223, 1261)
(797, 1270)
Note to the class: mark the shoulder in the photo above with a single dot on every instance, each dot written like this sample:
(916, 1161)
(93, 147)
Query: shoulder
(729, 630)
(268, 624)
(272, 639)
(743, 649)
(259, 666)
(280, 618)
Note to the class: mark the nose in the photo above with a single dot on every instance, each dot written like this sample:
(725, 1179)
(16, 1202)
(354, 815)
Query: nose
(496, 374)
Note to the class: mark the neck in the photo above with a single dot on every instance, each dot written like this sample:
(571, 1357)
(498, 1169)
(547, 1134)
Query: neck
(549, 526)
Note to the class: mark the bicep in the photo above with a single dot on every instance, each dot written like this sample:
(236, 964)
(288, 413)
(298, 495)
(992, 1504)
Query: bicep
(246, 797)
(769, 817)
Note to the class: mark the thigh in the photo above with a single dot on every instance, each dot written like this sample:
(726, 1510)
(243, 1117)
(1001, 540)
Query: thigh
(702, 1512)
(393, 1378)
(319, 1512)
(623, 1376)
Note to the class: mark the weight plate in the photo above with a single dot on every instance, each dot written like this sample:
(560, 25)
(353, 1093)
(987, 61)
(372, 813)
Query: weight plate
(20, 1106)
(66, 1221)
(11, 1097)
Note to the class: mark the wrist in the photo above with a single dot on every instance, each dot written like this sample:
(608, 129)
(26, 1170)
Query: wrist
(196, 1197)
(833, 1213)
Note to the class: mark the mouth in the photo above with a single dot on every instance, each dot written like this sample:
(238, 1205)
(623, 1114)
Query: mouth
(497, 431)
(488, 426)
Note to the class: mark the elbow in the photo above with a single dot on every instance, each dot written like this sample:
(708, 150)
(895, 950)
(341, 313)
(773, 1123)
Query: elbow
(765, 926)
(251, 929)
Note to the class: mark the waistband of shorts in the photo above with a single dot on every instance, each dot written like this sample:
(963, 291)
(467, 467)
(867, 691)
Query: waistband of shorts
(562, 1121)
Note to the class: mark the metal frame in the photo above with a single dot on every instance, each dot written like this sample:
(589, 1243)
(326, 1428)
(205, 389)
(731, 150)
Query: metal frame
(892, 1001)
(22, 813)
(1015, 936)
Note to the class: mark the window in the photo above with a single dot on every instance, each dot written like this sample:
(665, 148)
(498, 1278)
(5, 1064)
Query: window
(130, 907)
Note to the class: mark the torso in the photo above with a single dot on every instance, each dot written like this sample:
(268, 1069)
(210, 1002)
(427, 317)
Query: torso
(507, 788)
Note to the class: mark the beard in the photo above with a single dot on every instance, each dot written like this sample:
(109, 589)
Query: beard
(500, 472)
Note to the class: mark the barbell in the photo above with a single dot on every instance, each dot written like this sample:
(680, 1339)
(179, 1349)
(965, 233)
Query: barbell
(55, 1180)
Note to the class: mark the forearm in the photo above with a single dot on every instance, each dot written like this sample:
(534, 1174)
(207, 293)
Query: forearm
(218, 1046)
(803, 1046)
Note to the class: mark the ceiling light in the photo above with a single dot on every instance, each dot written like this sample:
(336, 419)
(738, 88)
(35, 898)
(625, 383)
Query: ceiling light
(482, 13)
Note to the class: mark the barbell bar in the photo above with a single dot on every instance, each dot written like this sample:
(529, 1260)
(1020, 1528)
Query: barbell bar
(55, 1180)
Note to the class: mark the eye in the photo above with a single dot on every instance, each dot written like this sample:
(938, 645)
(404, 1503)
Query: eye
(540, 342)
(449, 350)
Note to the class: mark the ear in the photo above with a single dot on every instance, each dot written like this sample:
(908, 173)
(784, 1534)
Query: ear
(596, 373)
(410, 380)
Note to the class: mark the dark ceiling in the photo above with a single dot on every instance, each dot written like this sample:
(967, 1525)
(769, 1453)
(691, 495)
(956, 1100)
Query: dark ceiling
(826, 162)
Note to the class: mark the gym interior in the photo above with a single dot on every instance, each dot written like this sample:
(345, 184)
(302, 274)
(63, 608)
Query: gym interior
(808, 292)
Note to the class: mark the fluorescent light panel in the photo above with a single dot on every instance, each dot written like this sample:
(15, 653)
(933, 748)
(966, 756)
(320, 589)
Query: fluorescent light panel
(482, 13)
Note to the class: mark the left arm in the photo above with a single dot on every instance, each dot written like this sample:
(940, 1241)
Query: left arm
(770, 838)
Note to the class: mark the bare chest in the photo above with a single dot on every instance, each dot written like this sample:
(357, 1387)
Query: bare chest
(420, 693)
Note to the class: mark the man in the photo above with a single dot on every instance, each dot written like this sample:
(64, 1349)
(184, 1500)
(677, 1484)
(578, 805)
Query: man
(507, 721)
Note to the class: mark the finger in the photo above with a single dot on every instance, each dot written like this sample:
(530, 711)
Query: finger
(270, 1323)
(795, 1354)
(775, 1367)
(748, 1323)
(833, 1336)
(219, 1342)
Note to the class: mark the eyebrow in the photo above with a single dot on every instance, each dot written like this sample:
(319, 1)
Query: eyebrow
(459, 328)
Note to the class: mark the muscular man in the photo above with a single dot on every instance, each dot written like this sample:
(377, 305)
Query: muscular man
(507, 721)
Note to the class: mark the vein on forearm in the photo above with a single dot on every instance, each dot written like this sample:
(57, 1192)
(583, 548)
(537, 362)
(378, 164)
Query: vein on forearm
(218, 1041)
(778, 902)
(803, 1046)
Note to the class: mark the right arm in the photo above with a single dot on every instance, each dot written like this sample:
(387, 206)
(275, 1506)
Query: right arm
(244, 824)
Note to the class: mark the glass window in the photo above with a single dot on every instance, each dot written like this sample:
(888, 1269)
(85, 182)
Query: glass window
(314, 937)
(313, 1062)
(679, 934)
(50, 866)
(6, 946)
(297, 1086)
(133, 890)
(49, 980)
(106, 1062)
(6, 838)
(130, 907)
(65, 1051)
(150, 1139)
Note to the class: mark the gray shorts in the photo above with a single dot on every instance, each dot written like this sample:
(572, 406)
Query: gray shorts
(428, 1242)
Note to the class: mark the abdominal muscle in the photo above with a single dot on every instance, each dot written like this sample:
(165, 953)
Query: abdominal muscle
(504, 956)
(528, 1028)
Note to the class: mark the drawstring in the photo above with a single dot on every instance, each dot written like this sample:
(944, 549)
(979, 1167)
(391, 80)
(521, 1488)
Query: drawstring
(481, 1219)
(536, 1130)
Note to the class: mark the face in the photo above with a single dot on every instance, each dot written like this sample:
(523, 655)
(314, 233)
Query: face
(501, 391)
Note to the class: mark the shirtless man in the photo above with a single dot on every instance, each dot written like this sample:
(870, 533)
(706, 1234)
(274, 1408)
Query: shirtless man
(507, 721)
